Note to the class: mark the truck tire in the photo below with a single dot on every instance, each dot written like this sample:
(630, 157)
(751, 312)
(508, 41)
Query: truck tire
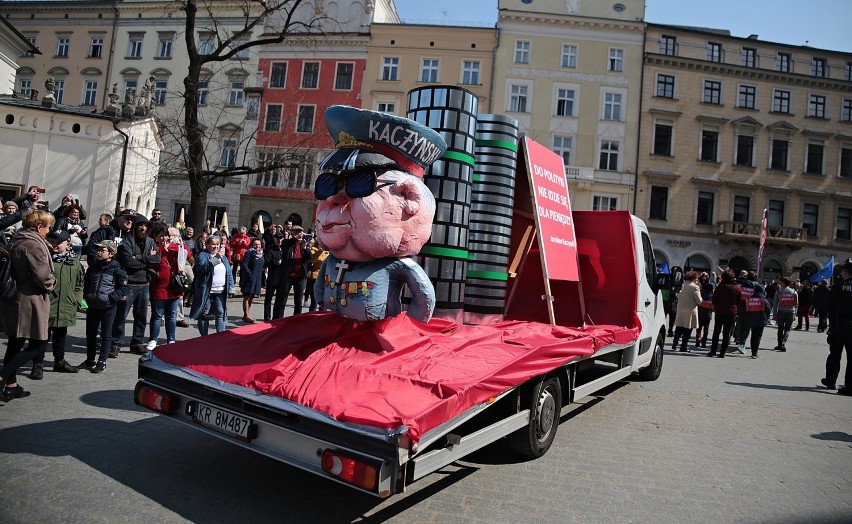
(653, 369)
(545, 405)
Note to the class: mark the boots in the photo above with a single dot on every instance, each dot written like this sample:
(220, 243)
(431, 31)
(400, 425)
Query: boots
(62, 366)
(37, 372)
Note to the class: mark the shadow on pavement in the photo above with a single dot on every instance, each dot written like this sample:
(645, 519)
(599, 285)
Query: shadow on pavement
(780, 387)
(113, 399)
(839, 436)
(196, 476)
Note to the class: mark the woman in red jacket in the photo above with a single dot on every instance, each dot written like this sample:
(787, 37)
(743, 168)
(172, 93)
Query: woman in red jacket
(164, 300)
(239, 245)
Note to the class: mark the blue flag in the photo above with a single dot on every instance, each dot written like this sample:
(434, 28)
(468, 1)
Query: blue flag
(663, 268)
(825, 273)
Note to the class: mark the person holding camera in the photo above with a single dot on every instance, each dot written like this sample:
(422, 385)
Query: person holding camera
(69, 201)
(214, 282)
(76, 228)
(318, 255)
(32, 200)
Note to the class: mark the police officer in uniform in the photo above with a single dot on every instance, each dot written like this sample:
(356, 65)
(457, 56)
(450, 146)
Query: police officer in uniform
(840, 331)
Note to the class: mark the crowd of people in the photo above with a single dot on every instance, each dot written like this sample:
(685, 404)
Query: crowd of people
(55, 267)
(741, 307)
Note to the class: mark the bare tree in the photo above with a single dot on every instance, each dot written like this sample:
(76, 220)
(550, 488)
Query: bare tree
(276, 21)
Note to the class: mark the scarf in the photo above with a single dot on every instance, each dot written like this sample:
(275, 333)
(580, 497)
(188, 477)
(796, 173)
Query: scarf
(64, 258)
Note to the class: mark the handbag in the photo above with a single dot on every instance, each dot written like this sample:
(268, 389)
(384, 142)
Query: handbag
(178, 283)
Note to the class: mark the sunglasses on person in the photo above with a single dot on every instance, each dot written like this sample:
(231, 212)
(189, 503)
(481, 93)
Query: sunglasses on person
(357, 185)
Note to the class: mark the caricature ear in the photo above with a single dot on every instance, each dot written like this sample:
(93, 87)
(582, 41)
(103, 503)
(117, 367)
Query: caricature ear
(412, 192)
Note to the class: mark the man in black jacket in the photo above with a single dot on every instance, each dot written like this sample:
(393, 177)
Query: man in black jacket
(139, 258)
(272, 256)
(295, 266)
(103, 232)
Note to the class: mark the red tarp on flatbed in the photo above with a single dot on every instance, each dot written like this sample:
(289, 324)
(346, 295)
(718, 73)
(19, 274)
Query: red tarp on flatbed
(391, 372)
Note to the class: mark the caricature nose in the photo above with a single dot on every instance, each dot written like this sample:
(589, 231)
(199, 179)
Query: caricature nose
(338, 199)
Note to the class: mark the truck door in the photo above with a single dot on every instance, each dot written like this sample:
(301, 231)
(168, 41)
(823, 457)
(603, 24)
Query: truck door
(649, 306)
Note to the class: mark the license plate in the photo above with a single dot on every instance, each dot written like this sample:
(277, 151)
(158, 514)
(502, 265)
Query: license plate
(221, 420)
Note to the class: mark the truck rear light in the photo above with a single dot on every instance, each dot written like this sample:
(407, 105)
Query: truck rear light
(154, 399)
(350, 470)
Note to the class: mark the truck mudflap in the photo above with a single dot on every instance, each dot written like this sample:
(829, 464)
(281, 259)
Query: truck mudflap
(366, 458)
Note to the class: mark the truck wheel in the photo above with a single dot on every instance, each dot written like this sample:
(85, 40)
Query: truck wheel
(545, 406)
(652, 370)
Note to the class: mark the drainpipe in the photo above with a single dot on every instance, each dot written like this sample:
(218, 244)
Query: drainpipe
(639, 130)
(111, 52)
(123, 164)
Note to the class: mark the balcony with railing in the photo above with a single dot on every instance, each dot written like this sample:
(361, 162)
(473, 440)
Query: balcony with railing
(751, 231)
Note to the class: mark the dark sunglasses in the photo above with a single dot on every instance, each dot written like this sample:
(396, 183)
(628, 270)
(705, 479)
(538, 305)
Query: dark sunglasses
(357, 185)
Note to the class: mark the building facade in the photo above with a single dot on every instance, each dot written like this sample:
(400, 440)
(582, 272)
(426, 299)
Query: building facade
(733, 126)
(570, 72)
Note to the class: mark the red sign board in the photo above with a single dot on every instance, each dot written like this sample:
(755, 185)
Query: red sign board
(557, 240)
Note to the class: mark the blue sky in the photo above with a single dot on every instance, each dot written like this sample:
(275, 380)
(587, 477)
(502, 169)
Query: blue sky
(819, 23)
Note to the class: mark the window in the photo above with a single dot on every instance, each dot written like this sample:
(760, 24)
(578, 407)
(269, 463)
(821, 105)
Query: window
(746, 98)
(847, 71)
(278, 74)
(62, 44)
(846, 110)
(229, 153)
(845, 170)
(745, 150)
(783, 62)
(242, 54)
(386, 107)
(206, 43)
(816, 106)
(160, 92)
(810, 218)
(26, 87)
(562, 146)
(780, 155)
(612, 106)
(96, 47)
(269, 178)
(522, 52)
(780, 101)
(59, 91)
(704, 213)
(252, 107)
(667, 45)
(775, 213)
(134, 45)
(569, 55)
(813, 159)
(429, 70)
(203, 92)
(470, 72)
(305, 123)
(616, 60)
(299, 174)
(748, 57)
(609, 155)
(164, 45)
(273, 118)
(564, 102)
(741, 208)
(714, 52)
(390, 69)
(603, 203)
(235, 94)
(663, 134)
(659, 203)
(712, 92)
(32, 42)
(709, 145)
(844, 224)
(665, 86)
(90, 93)
(310, 75)
(130, 87)
(818, 67)
(518, 98)
(343, 76)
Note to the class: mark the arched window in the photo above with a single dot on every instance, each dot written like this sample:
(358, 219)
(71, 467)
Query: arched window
(697, 263)
(262, 215)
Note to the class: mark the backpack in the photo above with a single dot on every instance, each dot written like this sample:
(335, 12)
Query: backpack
(8, 286)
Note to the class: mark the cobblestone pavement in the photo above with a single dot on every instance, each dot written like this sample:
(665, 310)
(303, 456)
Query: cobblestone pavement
(733, 440)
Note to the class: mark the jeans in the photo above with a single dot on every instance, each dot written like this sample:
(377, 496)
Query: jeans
(722, 325)
(267, 302)
(216, 305)
(756, 334)
(298, 286)
(99, 320)
(137, 299)
(785, 322)
(17, 357)
(159, 308)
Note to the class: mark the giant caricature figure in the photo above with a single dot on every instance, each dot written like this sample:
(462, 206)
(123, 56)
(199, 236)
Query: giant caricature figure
(374, 214)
